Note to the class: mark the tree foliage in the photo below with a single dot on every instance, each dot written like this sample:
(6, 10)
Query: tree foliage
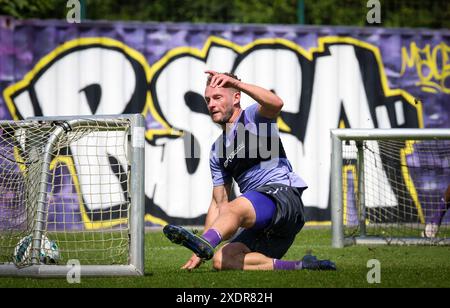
(29, 8)
(394, 13)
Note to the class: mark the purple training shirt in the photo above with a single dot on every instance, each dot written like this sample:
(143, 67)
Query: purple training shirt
(275, 170)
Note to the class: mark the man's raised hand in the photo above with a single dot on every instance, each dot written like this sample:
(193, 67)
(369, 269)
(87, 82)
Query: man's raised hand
(222, 80)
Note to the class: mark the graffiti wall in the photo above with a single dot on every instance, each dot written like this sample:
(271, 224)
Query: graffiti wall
(328, 78)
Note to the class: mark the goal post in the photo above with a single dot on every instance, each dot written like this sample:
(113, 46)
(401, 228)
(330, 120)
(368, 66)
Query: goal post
(388, 186)
(74, 186)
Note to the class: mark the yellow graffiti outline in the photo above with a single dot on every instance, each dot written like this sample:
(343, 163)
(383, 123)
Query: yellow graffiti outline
(345, 170)
(149, 107)
(308, 54)
(201, 53)
(88, 224)
(389, 92)
(19, 160)
(155, 220)
(408, 150)
(314, 223)
(86, 41)
(68, 162)
(414, 59)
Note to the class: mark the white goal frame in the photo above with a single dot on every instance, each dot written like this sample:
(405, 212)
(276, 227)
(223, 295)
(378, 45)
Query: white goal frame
(337, 210)
(136, 148)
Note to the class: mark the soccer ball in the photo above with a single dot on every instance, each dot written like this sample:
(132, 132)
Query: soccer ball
(431, 230)
(49, 253)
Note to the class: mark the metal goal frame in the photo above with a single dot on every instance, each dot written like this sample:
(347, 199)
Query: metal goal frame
(136, 146)
(337, 212)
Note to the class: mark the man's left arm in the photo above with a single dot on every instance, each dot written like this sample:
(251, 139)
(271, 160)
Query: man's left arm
(270, 103)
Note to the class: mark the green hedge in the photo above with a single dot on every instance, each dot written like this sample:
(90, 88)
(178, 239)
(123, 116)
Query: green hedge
(394, 13)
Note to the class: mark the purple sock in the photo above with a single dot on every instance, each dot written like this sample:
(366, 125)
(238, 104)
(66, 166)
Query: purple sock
(213, 237)
(286, 265)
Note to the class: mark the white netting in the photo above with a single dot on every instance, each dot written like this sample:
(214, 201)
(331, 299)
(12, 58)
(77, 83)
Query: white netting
(404, 184)
(87, 190)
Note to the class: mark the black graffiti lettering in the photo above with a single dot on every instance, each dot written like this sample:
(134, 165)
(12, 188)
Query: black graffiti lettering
(298, 123)
(196, 102)
(93, 96)
(187, 130)
(191, 152)
(88, 94)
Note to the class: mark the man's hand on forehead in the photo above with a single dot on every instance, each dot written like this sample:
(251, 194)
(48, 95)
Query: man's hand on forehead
(221, 80)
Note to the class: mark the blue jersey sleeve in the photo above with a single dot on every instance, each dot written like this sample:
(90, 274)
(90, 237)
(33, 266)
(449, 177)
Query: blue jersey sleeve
(253, 116)
(258, 124)
(219, 175)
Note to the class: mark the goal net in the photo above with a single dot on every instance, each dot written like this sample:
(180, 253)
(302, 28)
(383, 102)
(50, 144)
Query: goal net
(71, 190)
(389, 186)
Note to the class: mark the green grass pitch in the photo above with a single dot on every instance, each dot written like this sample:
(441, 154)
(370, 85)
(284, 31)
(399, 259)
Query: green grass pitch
(400, 267)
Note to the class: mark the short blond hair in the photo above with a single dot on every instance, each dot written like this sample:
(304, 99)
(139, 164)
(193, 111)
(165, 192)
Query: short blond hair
(208, 80)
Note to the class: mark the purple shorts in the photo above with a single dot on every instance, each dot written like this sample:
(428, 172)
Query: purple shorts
(264, 206)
